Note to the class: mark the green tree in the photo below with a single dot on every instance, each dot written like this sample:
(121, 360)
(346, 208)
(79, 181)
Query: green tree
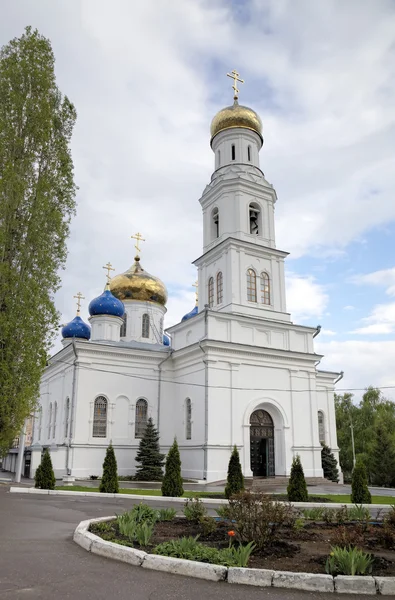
(235, 479)
(329, 464)
(109, 481)
(149, 456)
(172, 481)
(383, 457)
(359, 484)
(45, 477)
(297, 488)
(37, 201)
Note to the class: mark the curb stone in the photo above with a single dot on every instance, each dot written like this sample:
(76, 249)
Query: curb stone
(354, 584)
(259, 577)
(118, 552)
(180, 566)
(385, 585)
(314, 582)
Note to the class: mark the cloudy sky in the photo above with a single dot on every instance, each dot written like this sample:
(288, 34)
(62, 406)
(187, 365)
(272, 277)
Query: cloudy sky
(146, 79)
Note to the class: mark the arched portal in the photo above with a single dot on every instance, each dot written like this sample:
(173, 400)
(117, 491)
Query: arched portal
(262, 444)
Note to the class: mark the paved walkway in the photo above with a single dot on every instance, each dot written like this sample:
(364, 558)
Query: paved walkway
(39, 560)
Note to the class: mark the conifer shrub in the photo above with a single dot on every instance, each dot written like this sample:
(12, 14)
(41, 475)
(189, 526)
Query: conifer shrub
(329, 464)
(45, 477)
(235, 479)
(172, 481)
(149, 456)
(297, 488)
(359, 485)
(109, 481)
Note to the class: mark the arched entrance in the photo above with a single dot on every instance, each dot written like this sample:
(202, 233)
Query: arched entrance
(262, 444)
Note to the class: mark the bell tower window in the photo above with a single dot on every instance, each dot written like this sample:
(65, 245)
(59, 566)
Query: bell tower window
(233, 152)
(145, 326)
(265, 288)
(215, 223)
(220, 288)
(251, 285)
(211, 292)
(255, 219)
(249, 153)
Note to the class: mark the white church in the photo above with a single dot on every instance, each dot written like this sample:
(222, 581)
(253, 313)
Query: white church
(235, 370)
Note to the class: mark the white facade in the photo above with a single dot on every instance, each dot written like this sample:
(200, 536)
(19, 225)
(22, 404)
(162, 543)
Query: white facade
(240, 354)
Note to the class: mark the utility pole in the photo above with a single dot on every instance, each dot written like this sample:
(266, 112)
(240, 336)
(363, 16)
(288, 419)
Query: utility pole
(352, 442)
(21, 452)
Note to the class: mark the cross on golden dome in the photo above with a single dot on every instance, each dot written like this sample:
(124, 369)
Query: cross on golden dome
(235, 76)
(196, 286)
(108, 268)
(139, 238)
(79, 297)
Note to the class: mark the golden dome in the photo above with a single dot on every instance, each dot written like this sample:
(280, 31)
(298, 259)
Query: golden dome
(137, 284)
(236, 116)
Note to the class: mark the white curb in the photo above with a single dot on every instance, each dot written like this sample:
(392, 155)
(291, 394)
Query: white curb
(385, 585)
(348, 584)
(303, 581)
(117, 552)
(180, 566)
(259, 577)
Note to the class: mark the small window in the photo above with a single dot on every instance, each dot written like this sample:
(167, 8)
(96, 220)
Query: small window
(249, 153)
(220, 288)
(233, 152)
(141, 418)
(145, 326)
(50, 420)
(100, 418)
(215, 216)
(67, 418)
(55, 413)
(211, 291)
(251, 285)
(254, 218)
(321, 427)
(265, 288)
(124, 325)
(188, 419)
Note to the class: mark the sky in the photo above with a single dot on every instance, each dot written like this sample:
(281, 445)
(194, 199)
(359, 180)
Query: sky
(146, 79)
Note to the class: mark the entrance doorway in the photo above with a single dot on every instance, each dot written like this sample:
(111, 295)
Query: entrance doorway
(262, 444)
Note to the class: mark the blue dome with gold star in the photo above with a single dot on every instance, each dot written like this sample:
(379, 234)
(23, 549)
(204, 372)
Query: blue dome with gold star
(106, 304)
(77, 328)
(191, 314)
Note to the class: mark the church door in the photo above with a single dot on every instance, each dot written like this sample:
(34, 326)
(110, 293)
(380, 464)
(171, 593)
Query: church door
(262, 444)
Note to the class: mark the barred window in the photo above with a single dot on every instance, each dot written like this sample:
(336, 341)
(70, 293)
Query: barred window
(100, 417)
(251, 285)
(265, 288)
(66, 417)
(215, 216)
(145, 326)
(321, 427)
(211, 291)
(220, 288)
(50, 420)
(124, 325)
(188, 419)
(55, 414)
(141, 417)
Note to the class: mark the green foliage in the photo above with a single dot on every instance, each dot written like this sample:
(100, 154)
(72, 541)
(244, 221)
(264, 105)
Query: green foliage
(149, 456)
(194, 510)
(142, 513)
(166, 514)
(297, 489)
(235, 479)
(313, 514)
(329, 464)
(359, 513)
(348, 561)
(138, 524)
(191, 549)
(208, 525)
(37, 201)
(172, 481)
(109, 481)
(383, 456)
(144, 533)
(223, 512)
(45, 477)
(359, 485)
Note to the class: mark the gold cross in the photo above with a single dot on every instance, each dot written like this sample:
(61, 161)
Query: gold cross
(109, 268)
(139, 238)
(196, 286)
(235, 76)
(79, 297)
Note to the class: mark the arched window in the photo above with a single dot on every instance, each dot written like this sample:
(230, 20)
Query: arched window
(251, 285)
(55, 414)
(40, 421)
(124, 325)
(233, 152)
(265, 288)
(141, 417)
(215, 223)
(145, 326)
(249, 153)
(50, 420)
(220, 288)
(255, 221)
(66, 417)
(321, 427)
(100, 418)
(188, 419)
(211, 291)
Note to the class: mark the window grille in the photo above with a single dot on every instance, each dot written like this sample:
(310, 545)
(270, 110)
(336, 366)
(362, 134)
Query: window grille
(251, 285)
(124, 325)
(145, 326)
(321, 427)
(265, 288)
(220, 288)
(216, 222)
(211, 291)
(188, 419)
(100, 417)
(141, 418)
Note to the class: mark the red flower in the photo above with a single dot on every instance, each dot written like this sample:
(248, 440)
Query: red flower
(231, 533)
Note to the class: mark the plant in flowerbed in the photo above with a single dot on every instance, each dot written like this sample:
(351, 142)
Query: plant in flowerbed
(256, 531)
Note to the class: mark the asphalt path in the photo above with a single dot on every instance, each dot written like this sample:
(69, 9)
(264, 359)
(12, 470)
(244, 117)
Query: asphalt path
(39, 560)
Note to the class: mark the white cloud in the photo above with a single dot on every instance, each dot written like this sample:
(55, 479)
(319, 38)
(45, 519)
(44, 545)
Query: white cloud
(380, 321)
(383, 278)
(306, 299)
(328, 332)
(349, 307)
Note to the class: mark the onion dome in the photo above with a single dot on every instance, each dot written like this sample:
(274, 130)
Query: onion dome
(106, 304)
(236, 116)
(191, 314)
(166, 340)
(137, 284)
(77, 328)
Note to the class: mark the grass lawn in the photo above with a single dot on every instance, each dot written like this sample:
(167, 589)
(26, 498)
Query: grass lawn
(346, 499)
(80, 488)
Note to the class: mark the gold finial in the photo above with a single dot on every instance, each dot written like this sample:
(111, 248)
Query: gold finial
(109, 268)
(139, 238)
(196, 286)
(79, 297)
(235, 76)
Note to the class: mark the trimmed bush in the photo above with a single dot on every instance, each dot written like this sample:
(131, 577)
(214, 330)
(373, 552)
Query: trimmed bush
(172, 481)
(235, 479)
(149, 456)
(109, 481)
(329, 464)
(359, 485)
(297, 488)
(45, 477)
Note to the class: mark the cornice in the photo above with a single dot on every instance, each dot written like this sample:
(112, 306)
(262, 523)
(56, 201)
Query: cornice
(237, 244)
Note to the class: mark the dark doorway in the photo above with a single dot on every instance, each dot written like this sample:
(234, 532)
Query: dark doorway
(262, 444)
(28, 460)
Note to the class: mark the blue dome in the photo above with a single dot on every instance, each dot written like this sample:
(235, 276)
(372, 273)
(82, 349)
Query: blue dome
(166, 340)
(106, 304)
(76, 329)
(190, 314)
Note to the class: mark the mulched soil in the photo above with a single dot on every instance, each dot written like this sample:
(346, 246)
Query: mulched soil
(303, 550)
